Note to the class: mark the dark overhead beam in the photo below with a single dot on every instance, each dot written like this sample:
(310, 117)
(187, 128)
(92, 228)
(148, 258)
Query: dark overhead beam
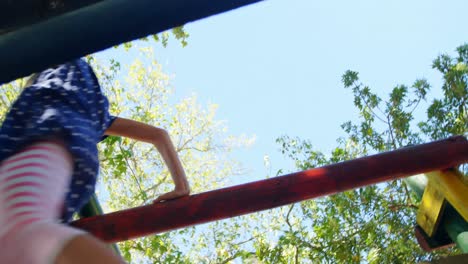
(97, 27)
(19, 13)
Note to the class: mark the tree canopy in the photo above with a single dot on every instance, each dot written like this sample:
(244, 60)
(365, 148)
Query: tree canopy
(375, 224)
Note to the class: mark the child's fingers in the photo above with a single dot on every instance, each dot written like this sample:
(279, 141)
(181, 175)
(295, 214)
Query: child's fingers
(169, 196)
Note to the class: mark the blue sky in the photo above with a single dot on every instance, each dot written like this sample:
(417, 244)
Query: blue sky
(275, 67)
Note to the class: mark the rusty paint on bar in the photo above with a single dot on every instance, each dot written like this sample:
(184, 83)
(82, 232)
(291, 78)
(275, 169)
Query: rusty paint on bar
(278, 191)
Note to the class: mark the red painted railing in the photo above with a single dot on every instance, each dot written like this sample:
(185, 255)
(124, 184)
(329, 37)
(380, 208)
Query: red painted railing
(273, 192)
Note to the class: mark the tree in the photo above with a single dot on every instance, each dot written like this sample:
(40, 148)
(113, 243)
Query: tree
(375, 223)
(133, 174)
(178, 33)
(8, 94)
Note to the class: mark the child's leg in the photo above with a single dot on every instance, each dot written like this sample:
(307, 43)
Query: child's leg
(87, 249)
(32, 190)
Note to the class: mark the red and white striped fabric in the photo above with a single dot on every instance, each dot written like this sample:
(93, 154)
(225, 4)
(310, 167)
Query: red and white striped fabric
(33, 183)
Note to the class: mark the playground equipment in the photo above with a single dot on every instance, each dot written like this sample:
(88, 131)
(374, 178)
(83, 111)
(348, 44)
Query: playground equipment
(237, 200)
(442, 218)
(70, 29)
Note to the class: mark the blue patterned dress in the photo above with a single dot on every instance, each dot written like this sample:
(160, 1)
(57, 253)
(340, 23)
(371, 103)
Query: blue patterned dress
(65, 102)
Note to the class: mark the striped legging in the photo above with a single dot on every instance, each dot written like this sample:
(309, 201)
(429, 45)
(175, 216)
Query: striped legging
(32, 190)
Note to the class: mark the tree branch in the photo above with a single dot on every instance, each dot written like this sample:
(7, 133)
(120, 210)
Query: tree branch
(132, 172)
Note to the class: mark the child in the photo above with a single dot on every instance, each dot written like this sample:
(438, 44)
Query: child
(49, 165)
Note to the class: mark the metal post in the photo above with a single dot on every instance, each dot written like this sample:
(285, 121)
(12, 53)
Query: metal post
(457, 228)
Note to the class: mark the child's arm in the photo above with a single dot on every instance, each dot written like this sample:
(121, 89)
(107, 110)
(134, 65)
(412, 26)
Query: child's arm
(161, 140)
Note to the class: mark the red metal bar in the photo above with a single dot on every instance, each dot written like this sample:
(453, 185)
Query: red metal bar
(270, 193)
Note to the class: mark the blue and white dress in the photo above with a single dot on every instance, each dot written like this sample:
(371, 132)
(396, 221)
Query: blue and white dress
(66, 102)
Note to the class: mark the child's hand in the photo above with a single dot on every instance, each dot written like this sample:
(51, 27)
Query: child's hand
(172, 195)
